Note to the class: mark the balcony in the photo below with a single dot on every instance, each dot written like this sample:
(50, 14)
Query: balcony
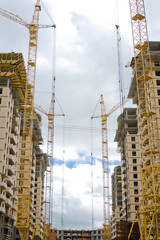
(10, 180)
(123, 170)
(14, 197)
(15, 130)
(123, 163)
(13, 149)
(7, 236)
(2, 197)
(12, 159)
(9, 202)
(13, 138)
(33, 169)
(11, 170)
(32, 176)
(7, 225)
(14, 207)
(2, 209)
(16, 110)
(3, 185)
(9, 191)
(123, 177)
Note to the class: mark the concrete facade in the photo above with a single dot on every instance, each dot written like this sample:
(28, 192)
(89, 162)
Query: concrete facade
(9, 139)
(79, 234)
(12, 90)
(116, 199)
(127, 138)
(41, 165)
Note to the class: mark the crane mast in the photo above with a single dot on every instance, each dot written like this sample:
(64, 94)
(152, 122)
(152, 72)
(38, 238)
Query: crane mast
(49, 171)
(120, 75)
(148, 215)
(105, 168)
(24, 198)
(105, 165)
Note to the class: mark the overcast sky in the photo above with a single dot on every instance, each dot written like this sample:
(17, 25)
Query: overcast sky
(86, 67)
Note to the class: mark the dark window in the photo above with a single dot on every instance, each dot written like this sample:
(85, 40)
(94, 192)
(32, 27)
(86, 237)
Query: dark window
(136, 208)
(0, 100)
(158, 101)
(133, 139)
(157, 73)
(134, 160)
(158, 91)
(134, 168)
(135, 183)
(135, 175)
(136, 199)
(1, 90)
(158, 82)
(133, 153)
(133, 145)
(135, 191)
(156, 64)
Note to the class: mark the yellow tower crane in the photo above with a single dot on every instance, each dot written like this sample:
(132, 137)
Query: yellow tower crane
(105, 165)
(49, 172)
(148, 215)
(24, 198)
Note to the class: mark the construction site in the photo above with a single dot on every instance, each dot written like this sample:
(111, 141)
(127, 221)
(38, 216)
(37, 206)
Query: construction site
(131, 203)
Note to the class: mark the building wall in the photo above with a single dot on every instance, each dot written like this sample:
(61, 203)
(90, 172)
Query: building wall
(9, 139)
(116, 200)
(41, 164)
(12, 90)
(127, 138)
(79, 234)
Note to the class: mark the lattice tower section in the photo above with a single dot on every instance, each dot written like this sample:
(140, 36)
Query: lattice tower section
(24, 198)
(49, 171)
(149, 212)
(105, 167)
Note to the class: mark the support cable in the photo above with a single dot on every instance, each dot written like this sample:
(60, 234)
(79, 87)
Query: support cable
(63, 165)
(92, 204)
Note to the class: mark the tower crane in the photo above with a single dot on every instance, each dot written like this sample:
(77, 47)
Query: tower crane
(24, 198)
(148, 214)
(105, 165)
(49, 172)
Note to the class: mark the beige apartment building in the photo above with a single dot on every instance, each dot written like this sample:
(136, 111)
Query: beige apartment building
(10, 98)
(127, 139)
(41, 165)
(83, 234)
(12, 90)
(116, 200)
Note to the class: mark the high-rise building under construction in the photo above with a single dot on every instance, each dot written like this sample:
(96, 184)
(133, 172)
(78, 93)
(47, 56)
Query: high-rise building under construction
(12, 93)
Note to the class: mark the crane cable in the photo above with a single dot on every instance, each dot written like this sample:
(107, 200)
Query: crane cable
(92, 203)
(63, 165)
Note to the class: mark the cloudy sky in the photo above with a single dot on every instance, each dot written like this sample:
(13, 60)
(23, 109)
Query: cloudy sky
(86, 67)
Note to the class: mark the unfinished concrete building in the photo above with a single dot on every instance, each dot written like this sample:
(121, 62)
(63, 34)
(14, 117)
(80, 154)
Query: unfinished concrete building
(155, 60)
(12, 94)
(116, 199)
(83, 234)
(12, 82)
(41, 165)
(127, 138)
